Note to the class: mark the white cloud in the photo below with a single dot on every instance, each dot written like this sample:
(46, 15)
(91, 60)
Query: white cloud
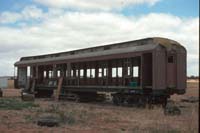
(9, 17)
(62, 31)
(32, 12)
(105, 5)
(28, 13)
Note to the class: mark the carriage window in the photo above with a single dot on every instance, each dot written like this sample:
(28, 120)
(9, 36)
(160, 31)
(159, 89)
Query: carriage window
(135, 71)
(50, 74)
(81, 73)
(129, 71)
(66, 73)
(77, 73)
(72, 73)
(28, 71)
(105, 72)
(114, 72)
(170, 59)
(58, 73)
(119, 73)
(100, 72)
(92, 73)
(45, 74)
(88, 73)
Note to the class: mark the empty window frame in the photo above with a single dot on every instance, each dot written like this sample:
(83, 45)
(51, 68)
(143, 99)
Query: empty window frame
(92, 73)
(105, 71)
(28, 71)
(129, 71)
(77, 72)
(58, 73)
(50, 74)
(72, 73)
(100, 72)
(119, 72)
(66, 73)
(135, 71)
(88, 73)
(114, 72)
(44, 74)
(171, 59)
(81, 73)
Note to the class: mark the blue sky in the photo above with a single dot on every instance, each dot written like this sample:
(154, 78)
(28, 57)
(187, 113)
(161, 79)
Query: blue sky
(183, 8)
(32, 27)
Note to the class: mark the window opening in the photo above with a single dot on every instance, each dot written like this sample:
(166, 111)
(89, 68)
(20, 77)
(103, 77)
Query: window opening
(100, 72)
(135, 71)
(88, 73)
(58, 73)
(114, 72)
(77, 73)
(66, 73)
(119, 72)
(50, 74)
(28, 71)
(105, 72)
(45, 74)
(92, 73)
(81, 73)
(72, 73)
(129, 71)
(170, 59)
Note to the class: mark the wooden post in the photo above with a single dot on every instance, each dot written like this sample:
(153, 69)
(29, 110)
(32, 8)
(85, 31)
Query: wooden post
(59, 88)
(36, 72)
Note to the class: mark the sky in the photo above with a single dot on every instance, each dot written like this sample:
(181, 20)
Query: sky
(32, 27)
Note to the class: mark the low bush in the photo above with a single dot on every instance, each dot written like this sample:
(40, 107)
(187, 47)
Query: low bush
(15, 104)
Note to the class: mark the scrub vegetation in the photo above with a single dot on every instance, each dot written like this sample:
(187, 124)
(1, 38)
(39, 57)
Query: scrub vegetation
(20, 116)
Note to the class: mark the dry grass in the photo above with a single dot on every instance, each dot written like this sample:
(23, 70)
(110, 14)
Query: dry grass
(104, 117)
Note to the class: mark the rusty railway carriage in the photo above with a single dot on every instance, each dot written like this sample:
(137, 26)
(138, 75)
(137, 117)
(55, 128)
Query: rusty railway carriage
(147, 70)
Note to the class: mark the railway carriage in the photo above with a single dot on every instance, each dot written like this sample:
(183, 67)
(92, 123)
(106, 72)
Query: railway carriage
(147, 70)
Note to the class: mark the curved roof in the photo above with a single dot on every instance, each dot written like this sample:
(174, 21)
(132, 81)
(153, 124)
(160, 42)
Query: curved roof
(118, 48)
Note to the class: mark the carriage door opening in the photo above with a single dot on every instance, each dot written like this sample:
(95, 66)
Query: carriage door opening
(147, 70)
(171, 71)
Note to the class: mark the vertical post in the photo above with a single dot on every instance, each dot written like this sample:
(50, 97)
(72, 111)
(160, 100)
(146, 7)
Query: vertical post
(36, 72)
(68, 72)
(109, 72)
(96, 72)
(68, 69)
(85, 73)
(54, 71)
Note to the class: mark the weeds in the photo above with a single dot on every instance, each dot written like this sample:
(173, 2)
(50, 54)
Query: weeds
(15, 104)
(66, 117)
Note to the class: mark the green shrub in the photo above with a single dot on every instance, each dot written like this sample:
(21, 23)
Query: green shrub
(15, 104)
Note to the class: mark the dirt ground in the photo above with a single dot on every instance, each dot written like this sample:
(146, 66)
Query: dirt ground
(102, 117)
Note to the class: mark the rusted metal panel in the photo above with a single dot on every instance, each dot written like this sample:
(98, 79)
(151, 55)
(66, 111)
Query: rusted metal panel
(159, 69)
(149, 56)
(181, 71)
(91, 54)
(171, 70)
